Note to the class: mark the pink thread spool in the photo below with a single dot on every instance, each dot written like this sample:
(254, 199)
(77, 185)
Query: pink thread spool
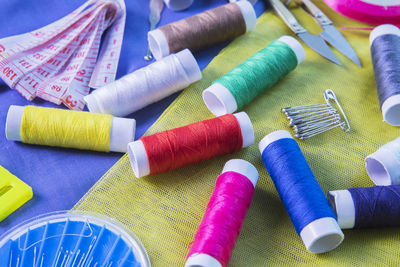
(222, 221)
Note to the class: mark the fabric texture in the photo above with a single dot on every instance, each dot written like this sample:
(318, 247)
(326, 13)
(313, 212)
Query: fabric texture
(164, 211)
(60, 177)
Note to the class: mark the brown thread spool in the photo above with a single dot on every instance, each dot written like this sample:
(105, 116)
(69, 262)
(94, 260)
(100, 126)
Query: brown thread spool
(203, 30)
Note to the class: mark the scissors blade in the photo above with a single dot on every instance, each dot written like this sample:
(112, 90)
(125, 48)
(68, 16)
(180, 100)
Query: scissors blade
(337, 40)
(318, 45)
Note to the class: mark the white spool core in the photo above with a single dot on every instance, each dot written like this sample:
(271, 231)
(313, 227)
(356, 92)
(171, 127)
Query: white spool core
(321, 235)
(219, 100)
(140, 162)
(383, 30)
(202, 260)
(383, 167)
(14, 122)
(178, 5)
(345, 211)
(158, 43)
(242, 167)
(189, 64)
(122, 129)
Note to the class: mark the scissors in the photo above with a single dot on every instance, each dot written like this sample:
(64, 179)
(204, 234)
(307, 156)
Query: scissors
(314, 41)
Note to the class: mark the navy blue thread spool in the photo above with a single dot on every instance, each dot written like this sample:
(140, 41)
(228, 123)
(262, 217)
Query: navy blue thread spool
(385, 53)
(367, 207)
(383, 166)
(300, 192)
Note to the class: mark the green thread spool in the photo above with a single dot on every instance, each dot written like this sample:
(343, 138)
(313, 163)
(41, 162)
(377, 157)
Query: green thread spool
(242, 84)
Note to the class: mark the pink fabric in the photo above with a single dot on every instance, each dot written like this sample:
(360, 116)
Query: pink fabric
(365, 12)
(222, 221)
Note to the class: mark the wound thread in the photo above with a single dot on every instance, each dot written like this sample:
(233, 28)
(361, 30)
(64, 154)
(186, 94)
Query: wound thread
(300, 192)
(385, 52)
(203, 30)
(193, 143)
(146, 85)
(224, 216)
(259, 72)
(63, 128)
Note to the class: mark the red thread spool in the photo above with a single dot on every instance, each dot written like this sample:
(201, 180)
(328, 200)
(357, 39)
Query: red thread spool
(200, 141)
(216, 236)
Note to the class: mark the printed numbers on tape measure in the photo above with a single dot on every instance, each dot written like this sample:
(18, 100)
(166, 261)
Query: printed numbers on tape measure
(32, 82)
(2, 48)
(25, 64)
(54, 62)
(43, 72)
(39, 56)
(69, 102)
(56, 88)
(9, 73)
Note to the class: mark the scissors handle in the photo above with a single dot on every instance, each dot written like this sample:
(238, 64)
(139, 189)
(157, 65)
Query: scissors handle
(316, 12)
(287, 16)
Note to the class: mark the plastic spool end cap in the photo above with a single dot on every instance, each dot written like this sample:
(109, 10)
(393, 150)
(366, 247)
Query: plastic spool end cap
(158, 44)
(93, 104)
(322, 235)
(272, 137)
(383, 167)
(391, 110)
(249, 14)
(138, 159)
(344, 206)
(383, 30)
(13, 122)
(246, 127)
(178, 5)
(244, 168)
(189, 64)
(122, 133)
(219, 100)
(295, 46)
(202, 260)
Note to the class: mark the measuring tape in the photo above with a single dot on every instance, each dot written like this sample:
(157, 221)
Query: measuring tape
(61, 61)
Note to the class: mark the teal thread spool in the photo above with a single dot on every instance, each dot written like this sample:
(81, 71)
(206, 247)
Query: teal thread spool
(242, 84)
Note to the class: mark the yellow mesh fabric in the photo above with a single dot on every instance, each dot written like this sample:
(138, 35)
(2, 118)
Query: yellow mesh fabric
(165, 210)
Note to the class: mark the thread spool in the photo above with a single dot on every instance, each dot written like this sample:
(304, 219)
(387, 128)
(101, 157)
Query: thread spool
(203, 30)
(385, 52)
(178, 5)
(145, 86)
(71, 129)
(222, 221)
(190, 144)
(383, 166)
(261, 71)
(367, 207)
(300, 192)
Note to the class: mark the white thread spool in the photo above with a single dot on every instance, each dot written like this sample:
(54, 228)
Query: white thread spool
(320, 235)
(219, 100)
(244, 168)
(122, 129)
(342, 202)
(383, 166)
(158, 42)
(140, 162)
(146, 85)
(391, 106)
(178, 5)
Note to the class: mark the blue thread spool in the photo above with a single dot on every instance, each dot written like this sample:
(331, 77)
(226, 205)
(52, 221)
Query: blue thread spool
(300, 192)
(385, 53)
(71, 239)
(367, 207)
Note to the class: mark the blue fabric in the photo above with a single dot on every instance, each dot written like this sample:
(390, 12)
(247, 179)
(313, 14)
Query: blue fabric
(60, 177)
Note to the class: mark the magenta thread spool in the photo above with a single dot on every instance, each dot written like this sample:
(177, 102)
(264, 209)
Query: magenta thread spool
(222, 221)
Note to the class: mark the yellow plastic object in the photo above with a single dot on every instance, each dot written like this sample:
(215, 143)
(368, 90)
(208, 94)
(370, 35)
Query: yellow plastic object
(166, 210)
(13, 193)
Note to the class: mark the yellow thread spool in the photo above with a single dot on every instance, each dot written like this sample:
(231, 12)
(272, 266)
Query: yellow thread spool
(70, 129)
